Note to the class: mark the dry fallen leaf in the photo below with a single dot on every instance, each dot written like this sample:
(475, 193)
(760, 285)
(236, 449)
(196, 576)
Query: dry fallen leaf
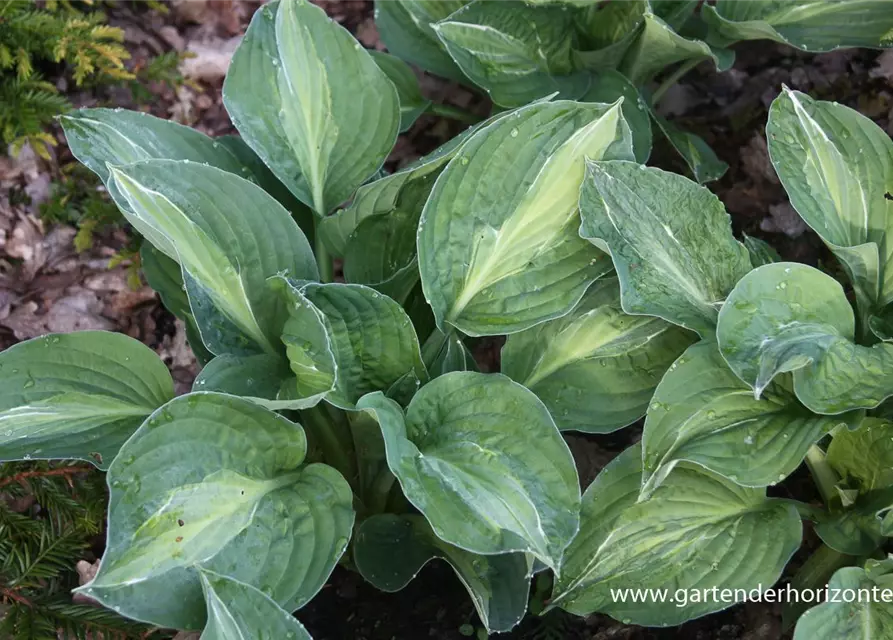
(210, 59)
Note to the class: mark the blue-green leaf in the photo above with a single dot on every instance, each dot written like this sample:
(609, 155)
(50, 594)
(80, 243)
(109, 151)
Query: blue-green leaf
(697, 530)
(837, 167)
(658, 46)
(609, 85)
(311, 102)
(518, 53)
(498, 244)
(670, 239)
(390, 550)
(860, 619)
(812, 25)
(217, 482)
(697, 154)
(703, 413)
(595, 368)
(412, 102)
(406, 28)
(237, 611)
(346, 340)
(214, 225)
(77, 395)
(790, 317)
(481, 458)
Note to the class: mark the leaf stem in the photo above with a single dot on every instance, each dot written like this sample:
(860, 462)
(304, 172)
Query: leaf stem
(433, 345)
(380, 491)
(672, 79)
(323, 259)
(824, 476)
(454, 113)
(322, 431)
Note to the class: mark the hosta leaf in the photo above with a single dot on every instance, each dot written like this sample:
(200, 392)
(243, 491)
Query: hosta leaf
(812, 25)
(857, 530)
(607, 87)
(698, 530)
(864, 456)
(862, 619)
(215, 481)
(102, 137)
(165, 277)
(659, 46)
(790, 317)
(214, 223)
(261, 174)
(595, 368)
(381, 251)
(606, 32)
(516, 52)
(390, 550)
(881, 324)
(346, 340)
(761, 252)
(703, 413)
(77, 395)
(237, 611)
(412, 103)
(407, 30)
(674, 12)
(599, 26)
(670, 240)
(261, 378)
(481, 458)
(837, 167)
(697, 154)
(382, 195)
(571, 3)
(499, 256)
(311, 102)
(443, 353)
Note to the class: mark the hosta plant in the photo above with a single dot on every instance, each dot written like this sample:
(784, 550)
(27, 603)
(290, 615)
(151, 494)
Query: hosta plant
(345, 423)
(599, 50)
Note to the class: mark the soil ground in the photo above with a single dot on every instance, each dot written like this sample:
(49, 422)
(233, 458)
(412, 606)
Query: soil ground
(45, 285)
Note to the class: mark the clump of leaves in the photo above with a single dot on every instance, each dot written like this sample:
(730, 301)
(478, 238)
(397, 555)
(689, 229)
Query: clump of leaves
(48, 514)
(600, 50)
(345, 422)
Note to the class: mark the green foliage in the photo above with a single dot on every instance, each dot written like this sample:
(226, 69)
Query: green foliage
(518, 51)
(48, 515)
(340, 423)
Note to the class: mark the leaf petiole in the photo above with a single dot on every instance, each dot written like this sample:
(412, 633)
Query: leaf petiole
(454, 113)
(824, 476)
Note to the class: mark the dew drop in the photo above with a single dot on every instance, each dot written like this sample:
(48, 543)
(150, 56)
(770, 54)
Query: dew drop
(514, 132)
